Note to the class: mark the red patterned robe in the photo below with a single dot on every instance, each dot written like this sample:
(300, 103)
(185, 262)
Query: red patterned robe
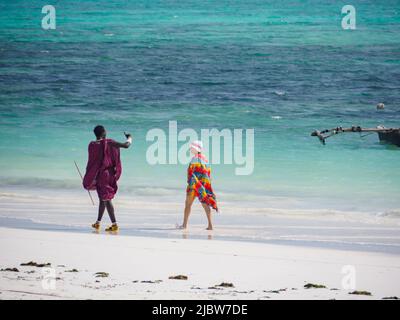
(103, 168)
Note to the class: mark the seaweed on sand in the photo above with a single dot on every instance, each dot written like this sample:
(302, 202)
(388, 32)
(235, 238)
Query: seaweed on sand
(314, 286)
(178, 277)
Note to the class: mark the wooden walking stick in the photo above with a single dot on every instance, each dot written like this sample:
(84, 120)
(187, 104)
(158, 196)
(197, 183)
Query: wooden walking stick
(79, 171)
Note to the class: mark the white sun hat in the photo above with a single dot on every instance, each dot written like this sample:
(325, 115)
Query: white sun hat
(197, 145)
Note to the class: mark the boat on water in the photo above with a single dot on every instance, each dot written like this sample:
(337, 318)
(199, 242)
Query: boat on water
(389, 135)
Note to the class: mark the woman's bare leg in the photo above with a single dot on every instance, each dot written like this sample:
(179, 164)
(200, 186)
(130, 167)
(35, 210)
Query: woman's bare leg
(188, 206)
(208, 214)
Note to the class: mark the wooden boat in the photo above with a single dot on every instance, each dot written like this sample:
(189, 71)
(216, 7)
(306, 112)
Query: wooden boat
(390, 135)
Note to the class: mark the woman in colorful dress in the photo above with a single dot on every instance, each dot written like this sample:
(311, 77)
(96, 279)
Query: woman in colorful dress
(199, 185)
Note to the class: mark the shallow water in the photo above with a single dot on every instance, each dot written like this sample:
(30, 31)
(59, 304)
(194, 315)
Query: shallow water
(283, 69)
(71, 212)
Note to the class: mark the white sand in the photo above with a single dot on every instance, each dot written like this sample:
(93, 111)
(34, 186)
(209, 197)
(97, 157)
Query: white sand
(253, 268)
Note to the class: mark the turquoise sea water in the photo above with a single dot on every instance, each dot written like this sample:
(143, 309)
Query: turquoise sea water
(283, 68)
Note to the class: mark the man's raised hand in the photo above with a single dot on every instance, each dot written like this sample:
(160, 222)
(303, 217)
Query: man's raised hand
(127, 135)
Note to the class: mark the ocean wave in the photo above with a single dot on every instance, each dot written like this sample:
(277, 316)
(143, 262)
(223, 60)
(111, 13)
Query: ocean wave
(153, 191)
(370, 218)
(231, 203)
(40, 183)
(19, 196)
(75, 184)
(395, 213)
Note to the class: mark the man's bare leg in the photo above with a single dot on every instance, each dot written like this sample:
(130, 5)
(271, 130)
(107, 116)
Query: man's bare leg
(111, 213)
(110, 210)
(102, 208)
(188, 206)
(208, 214)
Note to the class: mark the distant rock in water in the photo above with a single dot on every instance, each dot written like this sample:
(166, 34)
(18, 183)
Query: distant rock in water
(380, 106)
(280, 93)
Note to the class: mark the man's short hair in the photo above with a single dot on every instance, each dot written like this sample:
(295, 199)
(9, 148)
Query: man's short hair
(99, 131)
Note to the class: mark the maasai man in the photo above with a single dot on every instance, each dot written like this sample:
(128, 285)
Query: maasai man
(103, 171)
(199, 184)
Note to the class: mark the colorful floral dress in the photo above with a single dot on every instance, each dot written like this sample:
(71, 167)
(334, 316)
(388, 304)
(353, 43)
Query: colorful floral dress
(199, 181)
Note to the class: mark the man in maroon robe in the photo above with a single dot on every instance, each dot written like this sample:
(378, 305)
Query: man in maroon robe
(103, 171)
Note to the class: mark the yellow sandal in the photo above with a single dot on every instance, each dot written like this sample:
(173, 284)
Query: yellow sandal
(113, 227)
(96, 226)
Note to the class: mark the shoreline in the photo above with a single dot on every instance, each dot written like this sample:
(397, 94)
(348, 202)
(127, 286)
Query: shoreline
(140, 267)
(197, 234)
(152, 217)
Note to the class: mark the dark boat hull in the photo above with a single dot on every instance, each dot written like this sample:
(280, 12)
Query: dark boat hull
(390, 136)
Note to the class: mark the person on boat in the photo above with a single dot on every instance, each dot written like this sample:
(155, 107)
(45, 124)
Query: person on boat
(199, 185)
(103, 171)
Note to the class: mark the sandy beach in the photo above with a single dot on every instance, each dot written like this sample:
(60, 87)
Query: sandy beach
(110, 266)
(282, 119)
